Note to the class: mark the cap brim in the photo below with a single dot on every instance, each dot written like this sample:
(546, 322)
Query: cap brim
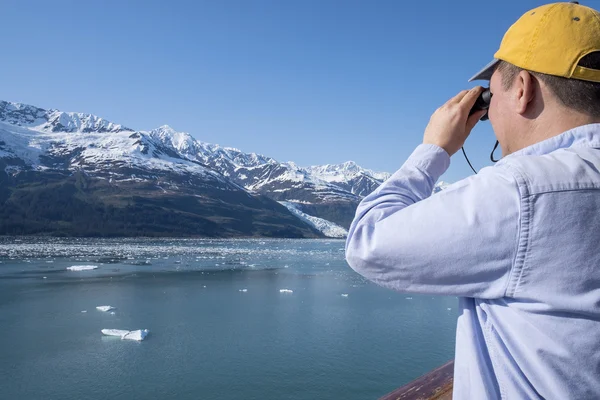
(486, 73)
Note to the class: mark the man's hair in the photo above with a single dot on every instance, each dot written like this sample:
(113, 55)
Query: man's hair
(582, 96)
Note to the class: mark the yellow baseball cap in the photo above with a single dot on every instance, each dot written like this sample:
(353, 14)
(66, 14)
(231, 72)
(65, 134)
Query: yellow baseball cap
(551, 39)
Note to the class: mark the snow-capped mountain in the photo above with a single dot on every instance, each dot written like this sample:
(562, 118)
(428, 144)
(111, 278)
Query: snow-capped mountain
(119, 156)
(53, 120)
(34, 140)
(350, 177)
(345, 172)
(78, 174)
(330, 192)
(254, 172)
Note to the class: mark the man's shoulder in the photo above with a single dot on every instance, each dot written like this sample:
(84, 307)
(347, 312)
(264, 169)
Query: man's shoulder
(575, 168)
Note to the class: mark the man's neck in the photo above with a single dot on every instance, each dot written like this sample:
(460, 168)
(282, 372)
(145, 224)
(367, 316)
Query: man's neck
(540, 130)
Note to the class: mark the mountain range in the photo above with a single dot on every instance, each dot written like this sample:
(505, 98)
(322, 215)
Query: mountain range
(76, 174)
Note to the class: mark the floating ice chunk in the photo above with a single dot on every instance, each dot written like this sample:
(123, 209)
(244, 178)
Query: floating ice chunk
(285, 291)
(112, 313)
(105, 308)
(82, 267)
(243, 290)
(409, 298)
(84, 311)
(344, 294)
(114, 332)
(449, 309)
(45, 277)
(138, 335)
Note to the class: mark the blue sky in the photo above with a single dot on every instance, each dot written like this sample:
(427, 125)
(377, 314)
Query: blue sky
(310, 81)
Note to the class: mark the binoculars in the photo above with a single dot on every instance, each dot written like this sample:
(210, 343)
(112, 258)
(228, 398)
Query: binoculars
(482, 103)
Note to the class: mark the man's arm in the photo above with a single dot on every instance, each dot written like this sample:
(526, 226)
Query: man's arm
(461, 241)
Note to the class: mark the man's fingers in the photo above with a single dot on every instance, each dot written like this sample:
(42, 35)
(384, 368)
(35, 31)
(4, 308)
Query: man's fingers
(457, 99)
(473, 119)
(469, 99)
(466, 97)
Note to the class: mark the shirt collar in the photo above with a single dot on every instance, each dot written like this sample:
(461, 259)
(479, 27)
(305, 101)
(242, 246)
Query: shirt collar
(582, 136)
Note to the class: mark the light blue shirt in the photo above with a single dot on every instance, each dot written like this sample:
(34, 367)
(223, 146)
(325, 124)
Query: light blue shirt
(519, 244)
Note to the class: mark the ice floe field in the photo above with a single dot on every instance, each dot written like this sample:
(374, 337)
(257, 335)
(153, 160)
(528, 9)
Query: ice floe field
(206, 319)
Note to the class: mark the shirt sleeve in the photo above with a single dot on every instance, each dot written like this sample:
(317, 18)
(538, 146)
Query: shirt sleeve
(461, 241)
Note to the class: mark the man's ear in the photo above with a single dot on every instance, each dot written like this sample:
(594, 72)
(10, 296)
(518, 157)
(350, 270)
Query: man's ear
(525, 91)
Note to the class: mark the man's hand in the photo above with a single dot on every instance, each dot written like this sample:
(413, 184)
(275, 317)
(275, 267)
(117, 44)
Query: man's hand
(450, 125)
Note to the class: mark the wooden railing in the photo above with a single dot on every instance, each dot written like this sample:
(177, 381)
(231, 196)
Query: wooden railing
(435, 385)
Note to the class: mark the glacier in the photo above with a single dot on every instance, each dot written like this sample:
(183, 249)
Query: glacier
(328, 228)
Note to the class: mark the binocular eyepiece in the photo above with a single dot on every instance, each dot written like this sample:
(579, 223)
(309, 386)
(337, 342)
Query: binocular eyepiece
(482, 103)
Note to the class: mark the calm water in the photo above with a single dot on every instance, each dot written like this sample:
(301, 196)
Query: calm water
(208, 339)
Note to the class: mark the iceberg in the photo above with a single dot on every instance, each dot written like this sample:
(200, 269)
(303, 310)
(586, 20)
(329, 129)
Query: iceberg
(105, 308)
(243, 290)
(138, 335)
(82, 267)
(114, 332)
(344, 294)
(285, 291)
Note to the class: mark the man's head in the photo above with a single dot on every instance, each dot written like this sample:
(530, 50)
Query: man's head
(546, 75)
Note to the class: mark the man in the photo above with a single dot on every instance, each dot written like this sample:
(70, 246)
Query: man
(519, 243)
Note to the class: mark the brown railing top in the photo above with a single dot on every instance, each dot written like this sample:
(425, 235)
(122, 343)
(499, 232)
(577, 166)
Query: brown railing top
(435, 385)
